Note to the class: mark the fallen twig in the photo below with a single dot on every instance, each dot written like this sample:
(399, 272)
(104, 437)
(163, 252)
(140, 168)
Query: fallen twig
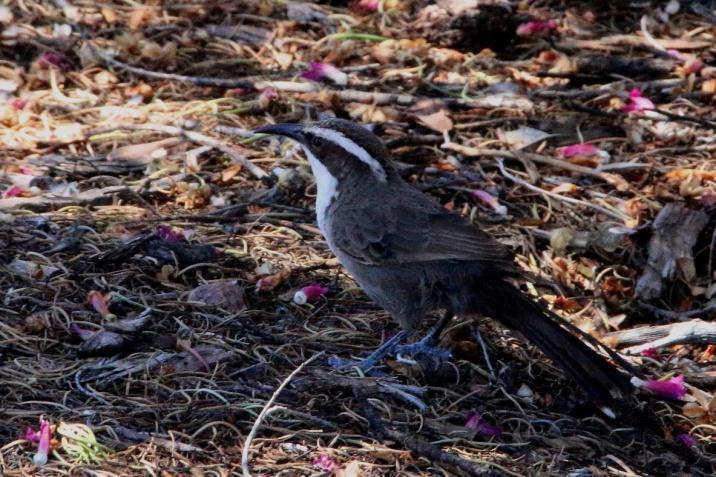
(268, 409)
(615, 215)
(693, 331)
(193, 136)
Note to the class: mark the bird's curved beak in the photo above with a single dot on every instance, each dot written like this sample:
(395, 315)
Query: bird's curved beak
(292, 131)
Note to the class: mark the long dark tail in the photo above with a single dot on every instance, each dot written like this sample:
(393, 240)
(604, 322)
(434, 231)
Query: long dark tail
(602, 381)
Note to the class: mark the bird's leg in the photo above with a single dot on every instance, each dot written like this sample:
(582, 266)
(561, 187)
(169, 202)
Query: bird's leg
(375, 357)
(427, 345)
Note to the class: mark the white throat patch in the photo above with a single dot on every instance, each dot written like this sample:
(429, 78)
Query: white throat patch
(350, 147)
(327, 186)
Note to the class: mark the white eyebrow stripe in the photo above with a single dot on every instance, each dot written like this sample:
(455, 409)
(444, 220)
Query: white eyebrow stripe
(350, 147)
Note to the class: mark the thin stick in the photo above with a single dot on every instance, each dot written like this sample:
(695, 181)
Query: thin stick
(268, 409)
(523, 183)
(192, 136)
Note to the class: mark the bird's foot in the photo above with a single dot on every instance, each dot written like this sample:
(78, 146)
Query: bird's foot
(425, 348)
(372, 360)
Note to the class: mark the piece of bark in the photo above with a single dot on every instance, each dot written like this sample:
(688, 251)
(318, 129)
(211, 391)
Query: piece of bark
(675, 231)
(692, 331)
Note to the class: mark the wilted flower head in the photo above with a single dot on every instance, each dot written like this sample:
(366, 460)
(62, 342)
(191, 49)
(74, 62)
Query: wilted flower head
(325, 463)
(320, 71)
(53, 58)
(580, 149)
(12, 191)
(536, 28)
(368, 5)
(673, 388)
(309, 294)
(100, 303)
(42, 439)
(687, 440)
(638, 102)
(171, 234)
(490, 200)
(477, 423)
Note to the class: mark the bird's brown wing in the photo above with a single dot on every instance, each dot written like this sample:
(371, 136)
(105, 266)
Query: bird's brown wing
(404, 233)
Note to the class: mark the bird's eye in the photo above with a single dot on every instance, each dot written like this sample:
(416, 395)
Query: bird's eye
(317, 142)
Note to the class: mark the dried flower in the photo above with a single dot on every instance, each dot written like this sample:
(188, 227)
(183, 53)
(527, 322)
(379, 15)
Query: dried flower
(171, 234)
(309, 294)
(368, 5)
(43, 443)
(687, 440)
(12, 191)
(581, 149)
(53, 58)
(536, 28)
(477, 423)
(267, 96)
(320, 71)
(692, 64)
(100, 303)
(325, 463)
(489, 200)
(638, 102)
(82, 333)
(18, 104)
(673, 388)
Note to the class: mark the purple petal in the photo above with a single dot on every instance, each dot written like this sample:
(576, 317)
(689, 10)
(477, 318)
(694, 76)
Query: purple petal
(319, 71)
(169, 234)
(477, 423)
(687, 440)
(82, 333)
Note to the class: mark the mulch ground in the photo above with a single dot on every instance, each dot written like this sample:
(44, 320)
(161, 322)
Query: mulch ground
(151, 245)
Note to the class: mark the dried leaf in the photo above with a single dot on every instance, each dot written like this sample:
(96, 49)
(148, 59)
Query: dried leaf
(438, 121)
(226, 294)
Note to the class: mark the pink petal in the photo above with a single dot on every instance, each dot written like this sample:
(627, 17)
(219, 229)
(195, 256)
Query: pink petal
(269, 93)
(490, 200)
(320, 71)
(18, 104)
(675, 54)
(652, 353)
(477, 423)
(579, 150)
(535, 28)
(325, 463)
(13, 191)
(43, 446)
(672, 388)
(369, 5)
(637, 102)
(32, 436)
(309, 294)
(98, 302)
(29, 171)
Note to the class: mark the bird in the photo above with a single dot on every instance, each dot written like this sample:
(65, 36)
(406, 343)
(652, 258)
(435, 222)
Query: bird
(413, 257)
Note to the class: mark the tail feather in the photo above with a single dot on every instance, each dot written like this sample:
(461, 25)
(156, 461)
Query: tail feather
(602, 381)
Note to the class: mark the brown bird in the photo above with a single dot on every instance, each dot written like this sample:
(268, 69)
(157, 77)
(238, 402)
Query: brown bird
(412, 256)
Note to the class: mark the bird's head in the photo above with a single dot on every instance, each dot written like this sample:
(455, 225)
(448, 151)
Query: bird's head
(345, 149)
